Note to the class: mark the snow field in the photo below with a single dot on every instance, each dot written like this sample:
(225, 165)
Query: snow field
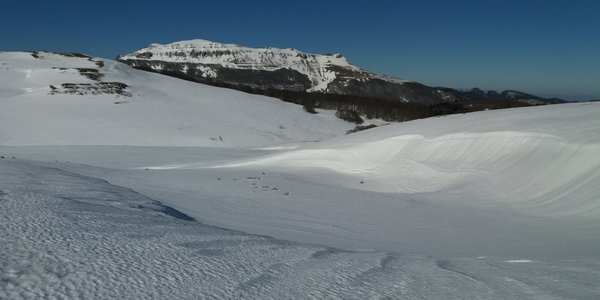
(72, 236)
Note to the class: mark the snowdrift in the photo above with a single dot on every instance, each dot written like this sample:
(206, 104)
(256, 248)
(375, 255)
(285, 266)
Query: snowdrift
(546, 160)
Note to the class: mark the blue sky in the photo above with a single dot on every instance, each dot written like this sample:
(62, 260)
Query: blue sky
(551, 48)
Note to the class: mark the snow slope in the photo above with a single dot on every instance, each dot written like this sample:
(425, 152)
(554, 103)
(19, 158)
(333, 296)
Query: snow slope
(70, 236)
(543, 160)
(161, 111)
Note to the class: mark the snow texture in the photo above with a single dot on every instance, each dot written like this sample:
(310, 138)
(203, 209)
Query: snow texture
(76, 237)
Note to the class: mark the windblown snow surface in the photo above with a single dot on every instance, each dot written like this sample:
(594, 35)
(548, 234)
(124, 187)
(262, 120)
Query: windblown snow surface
(490, 205)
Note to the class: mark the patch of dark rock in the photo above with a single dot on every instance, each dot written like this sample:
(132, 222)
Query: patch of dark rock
(360, 128)
(92, 74)
(74, 54)
(98, 88)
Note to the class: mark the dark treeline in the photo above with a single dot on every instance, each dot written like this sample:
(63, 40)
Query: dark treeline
(350, 107)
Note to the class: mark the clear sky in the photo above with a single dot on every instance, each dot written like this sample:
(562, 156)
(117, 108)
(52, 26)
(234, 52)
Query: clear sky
(545, 47)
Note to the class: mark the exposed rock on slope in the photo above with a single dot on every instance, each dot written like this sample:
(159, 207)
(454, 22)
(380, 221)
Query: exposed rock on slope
(280, 69)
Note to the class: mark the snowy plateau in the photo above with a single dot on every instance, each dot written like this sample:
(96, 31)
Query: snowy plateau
(117, 183)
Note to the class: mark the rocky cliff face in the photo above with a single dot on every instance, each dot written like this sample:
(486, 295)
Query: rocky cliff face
(280, 69)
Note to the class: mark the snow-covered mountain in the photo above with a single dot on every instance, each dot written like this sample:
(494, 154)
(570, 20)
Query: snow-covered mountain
(261, 70)
(318, 69)
(66, 99)
(273, 68)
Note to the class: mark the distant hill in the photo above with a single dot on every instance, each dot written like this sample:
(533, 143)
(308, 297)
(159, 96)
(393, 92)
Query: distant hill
(327, 81)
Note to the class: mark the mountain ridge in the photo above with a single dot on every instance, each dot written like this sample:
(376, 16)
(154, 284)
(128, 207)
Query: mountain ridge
(319, 68)
(269, 68)
(273, 68)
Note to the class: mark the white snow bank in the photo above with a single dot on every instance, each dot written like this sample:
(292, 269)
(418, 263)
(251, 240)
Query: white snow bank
(546, 162)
